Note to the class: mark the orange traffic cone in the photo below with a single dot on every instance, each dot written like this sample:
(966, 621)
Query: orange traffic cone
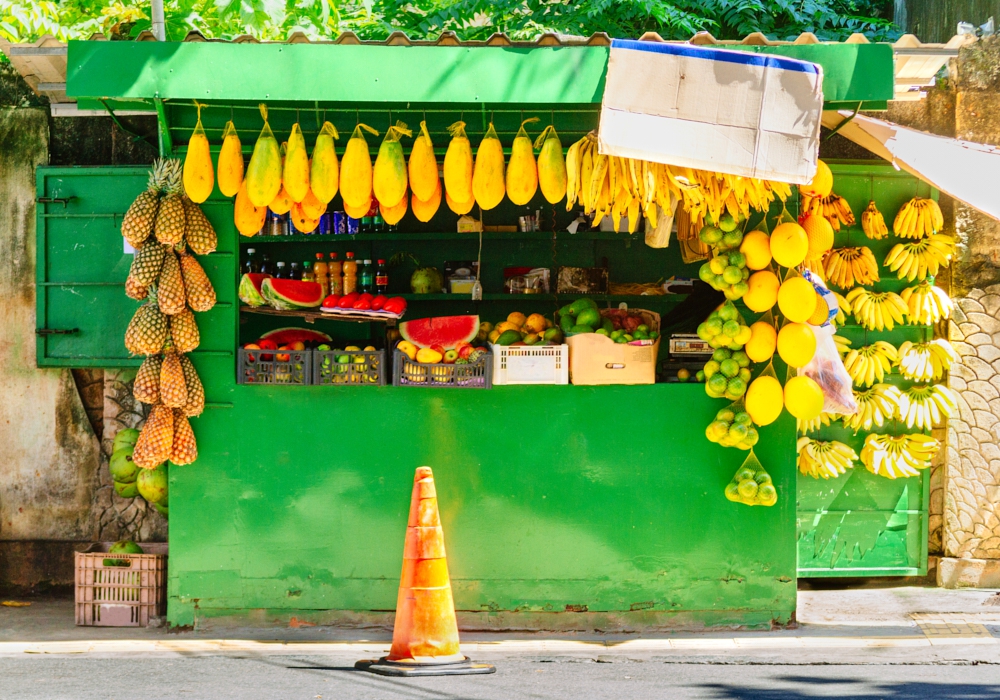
(425, 635)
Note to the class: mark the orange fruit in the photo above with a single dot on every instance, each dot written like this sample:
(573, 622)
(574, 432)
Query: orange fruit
(797, 299)
(763, 291)
(796, 344)
(789, 244)
(820, 234)
(756, 247)
(763, 339)
(764, 400)
(803, 398)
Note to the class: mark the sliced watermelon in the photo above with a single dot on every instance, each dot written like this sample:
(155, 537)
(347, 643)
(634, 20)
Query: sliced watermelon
(249, 291)
(291, 294)
(287, 336)
(446, 331)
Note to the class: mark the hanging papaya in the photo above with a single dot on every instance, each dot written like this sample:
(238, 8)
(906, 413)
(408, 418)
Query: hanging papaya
(281, 203)
(295, 173)
(249, 218)
(301, 220)
(551, 165)
(324, 173)
(460, 208)
(392, 215)
(458, 164)
(199, 178)
(358, 212)
(230, 161)
(356, 169)
(425, 210)
(423, 167)
(487, 176)
(312, 206)
(389, 175)
(522, 173)
(264, 172)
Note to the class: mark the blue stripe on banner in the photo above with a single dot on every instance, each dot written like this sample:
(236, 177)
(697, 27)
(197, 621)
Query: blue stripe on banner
(744, 57)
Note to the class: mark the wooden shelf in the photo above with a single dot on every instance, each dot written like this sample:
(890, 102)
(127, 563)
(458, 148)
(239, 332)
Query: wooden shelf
(310, 315)
(542, 236)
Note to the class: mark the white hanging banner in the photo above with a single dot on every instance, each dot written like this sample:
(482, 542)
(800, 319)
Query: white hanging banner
(732, 112)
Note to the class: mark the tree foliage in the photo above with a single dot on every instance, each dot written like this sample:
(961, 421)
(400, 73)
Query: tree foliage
(26, 20)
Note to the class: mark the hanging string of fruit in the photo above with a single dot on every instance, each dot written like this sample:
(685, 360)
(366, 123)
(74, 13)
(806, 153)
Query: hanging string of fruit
(165, 226)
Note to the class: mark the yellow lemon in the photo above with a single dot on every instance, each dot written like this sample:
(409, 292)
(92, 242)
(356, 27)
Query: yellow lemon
(822, 312)
(763, 339)
(797, 299)
(822, 182)
(764, 400)
(763, 291)
(820, 234)
(803, 398)
(756, 247)
(796, 344)
(789, 244)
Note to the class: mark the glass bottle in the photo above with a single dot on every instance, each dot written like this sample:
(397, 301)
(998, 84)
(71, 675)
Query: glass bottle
(282, 273)
(378, 223)
(335, 271)
(307, 272)
(381, 278)
(294, 272)
(265, 265)
(350, 274)
(366, 278)
(251, 264)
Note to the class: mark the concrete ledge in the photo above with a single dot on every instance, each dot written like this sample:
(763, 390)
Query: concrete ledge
(968, 573)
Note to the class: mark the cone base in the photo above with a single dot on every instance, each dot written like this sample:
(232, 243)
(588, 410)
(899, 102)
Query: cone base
(384, 667)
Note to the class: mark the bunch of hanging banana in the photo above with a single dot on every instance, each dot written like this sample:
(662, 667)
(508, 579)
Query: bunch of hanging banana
(876, 407)
(826, 460)
(894, 456)
(924, 405)
(843, 308)
(923, 362)
(877, 310)
(870, 363)
(872, 222)
(922, 257)
(918, 218)
(843, 344)
(833, 208)
(927, 304)
(846, 267)
(804, 427)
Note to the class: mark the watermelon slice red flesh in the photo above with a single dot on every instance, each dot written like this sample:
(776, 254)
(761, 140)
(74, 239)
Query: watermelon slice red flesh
(287, 336)
(249, 291)
(446, 331)
(291, 294)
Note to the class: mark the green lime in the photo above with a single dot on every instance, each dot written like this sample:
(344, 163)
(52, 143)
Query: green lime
(748, 488)
(732, 275)
(710, 235)
(738, 259)
(727, 223)
(711, 367)
(717, 383)
(741, 358)
(721, 354)
(714, 326)
(733, 491)
(743, 417)
(729, 368)
(700, 375)
(744, 374)
(727, 415)
(706, 274)
(728, 312)
(737, 431)
(752, 436)
(737, 386)
(731, 328)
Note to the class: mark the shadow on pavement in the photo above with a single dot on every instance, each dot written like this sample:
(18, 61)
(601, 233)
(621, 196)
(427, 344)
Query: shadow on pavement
(857, 688)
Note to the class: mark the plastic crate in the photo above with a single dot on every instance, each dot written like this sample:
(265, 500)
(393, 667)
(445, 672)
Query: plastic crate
(296, 371)
(406, 372)
(124, 592)
(530, 364)
(365, 368)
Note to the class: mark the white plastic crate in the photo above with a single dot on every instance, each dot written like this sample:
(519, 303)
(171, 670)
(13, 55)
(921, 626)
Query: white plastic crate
(529, 364)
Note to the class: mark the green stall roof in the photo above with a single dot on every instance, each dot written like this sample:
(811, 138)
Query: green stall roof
(330, 73)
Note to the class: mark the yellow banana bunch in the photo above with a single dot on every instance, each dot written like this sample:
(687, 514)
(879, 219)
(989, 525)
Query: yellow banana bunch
(833, 208)
(843, 344)
(877, 310)
(872, 222)
(870, 363)
(826, 460)
(928, 304)
(921, 258)
(846, 267)
(805, 427)
(924, 405)
(893, 456)
(918, 218)
(923, 362)
(876, 407)
(843, 308)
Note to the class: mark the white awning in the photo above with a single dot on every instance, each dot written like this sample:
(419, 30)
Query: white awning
(962, 169)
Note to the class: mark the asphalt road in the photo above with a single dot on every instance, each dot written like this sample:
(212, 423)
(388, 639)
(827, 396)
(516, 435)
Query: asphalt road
(319, 678)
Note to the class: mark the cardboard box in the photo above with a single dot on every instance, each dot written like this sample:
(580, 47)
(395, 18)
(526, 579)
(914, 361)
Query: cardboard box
(725, 111)
(595, 359)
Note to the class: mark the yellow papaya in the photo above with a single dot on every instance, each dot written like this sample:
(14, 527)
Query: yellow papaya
(425, 210)
(460, 208)
(264, 172)
(230, 162)
(358, 212)
(282, 202)
(551, 165)
(198, 176)
(389, 175)
(488, 176)
(249, 218)
(392, 215)
(301, 220)
(324, 172)
(458, 164)
(356, 169)
(423, 166)
(312, 206)
(295, 174)
(522, 173)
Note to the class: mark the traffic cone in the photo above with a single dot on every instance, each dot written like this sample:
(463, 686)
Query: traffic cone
(425, 635)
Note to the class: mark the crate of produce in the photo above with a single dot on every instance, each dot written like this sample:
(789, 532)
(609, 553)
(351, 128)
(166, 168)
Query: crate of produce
(597, 359)
(348, 367)
(120, 590)
(530, 364)
(471, 375)
(291, 367)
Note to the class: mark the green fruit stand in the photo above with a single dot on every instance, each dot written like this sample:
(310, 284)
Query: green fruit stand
(603, 504)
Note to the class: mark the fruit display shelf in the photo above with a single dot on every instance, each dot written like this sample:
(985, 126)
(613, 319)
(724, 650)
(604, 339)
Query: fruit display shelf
(310, 315)
(587, 235)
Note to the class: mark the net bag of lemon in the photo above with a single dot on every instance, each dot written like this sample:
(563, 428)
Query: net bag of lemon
(733, 427)
(751, 484)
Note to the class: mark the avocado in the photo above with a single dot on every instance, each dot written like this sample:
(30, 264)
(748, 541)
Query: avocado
(567, 310)
(582, 304)
(589, 317)
(509, 338)
(566, 322)
(607, 325)
(553, 334)
(580, 328)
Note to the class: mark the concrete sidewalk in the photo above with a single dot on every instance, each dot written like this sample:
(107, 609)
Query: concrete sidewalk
(898, 625)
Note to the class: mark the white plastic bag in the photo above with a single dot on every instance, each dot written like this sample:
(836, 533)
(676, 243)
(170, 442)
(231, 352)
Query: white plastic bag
(827, 369)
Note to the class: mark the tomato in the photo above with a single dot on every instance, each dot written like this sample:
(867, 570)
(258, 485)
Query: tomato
(267, 344)
(396, 305)
(362, 304)
(366, 296)
(378, 302)
(331, 301)
(347, 301)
